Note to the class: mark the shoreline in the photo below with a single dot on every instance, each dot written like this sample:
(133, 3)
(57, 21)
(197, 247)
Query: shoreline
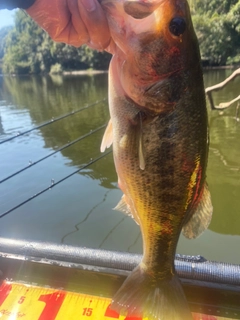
(80, 72)
(93, 72)
(64, 73)
(221, 67)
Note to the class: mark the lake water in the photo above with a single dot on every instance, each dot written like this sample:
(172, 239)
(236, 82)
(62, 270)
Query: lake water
(78, 210)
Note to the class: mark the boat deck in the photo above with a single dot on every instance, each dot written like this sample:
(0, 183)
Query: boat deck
(45, 281)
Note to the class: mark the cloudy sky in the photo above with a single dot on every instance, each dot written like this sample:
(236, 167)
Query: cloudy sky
(6, 18)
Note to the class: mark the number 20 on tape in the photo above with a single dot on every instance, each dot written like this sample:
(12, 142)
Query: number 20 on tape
(18, 301)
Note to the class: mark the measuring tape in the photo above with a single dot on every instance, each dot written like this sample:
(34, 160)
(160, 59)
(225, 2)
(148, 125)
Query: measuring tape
(20, 301)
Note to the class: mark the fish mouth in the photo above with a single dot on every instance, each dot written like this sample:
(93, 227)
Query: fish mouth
(141, 9)
(138, 9)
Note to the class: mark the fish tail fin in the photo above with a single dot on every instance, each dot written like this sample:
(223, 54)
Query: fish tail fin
(142, 295)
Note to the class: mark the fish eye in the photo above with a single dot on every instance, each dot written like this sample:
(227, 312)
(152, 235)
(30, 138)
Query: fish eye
(177, 26)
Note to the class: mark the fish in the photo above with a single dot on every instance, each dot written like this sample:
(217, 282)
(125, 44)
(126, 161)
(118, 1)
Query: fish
(159, 132)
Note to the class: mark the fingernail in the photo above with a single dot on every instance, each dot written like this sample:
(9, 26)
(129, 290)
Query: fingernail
(89, 5)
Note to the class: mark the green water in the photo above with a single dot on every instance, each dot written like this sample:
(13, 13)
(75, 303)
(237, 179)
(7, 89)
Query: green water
(78, 211)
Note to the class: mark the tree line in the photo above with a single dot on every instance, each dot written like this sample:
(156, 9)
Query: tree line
(29, 49)
(26, 48)
(217, 25)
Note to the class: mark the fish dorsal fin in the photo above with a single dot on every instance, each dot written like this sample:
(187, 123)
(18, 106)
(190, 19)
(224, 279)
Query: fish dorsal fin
(140, 145)
(125, 208)
(107, 139)
(200, 218)
(139, 9)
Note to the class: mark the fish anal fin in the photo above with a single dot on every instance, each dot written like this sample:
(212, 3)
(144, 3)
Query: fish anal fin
(124, 207)
(107, 139)
(142, 295)
(200, 218)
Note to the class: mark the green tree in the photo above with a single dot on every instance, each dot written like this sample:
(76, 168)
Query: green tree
(3, 33)
(29, 49)
(214, 6)
(217, 24)
(25, 47)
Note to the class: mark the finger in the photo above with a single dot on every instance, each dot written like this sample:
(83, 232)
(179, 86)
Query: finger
(96, 23)
(112, 47)
(48, 15)
(77, 31)
(55, 17)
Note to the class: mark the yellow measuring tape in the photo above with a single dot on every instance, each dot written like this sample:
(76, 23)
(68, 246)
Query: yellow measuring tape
(20, 301)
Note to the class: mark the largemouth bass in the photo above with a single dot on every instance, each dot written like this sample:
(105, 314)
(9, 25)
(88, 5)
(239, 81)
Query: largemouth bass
(159, 131)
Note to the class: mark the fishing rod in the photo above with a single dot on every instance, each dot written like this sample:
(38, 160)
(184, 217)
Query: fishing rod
(53, 184)
(53, 121)
(54, 152)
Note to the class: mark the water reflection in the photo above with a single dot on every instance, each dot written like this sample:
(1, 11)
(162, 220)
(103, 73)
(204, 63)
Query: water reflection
(224, 173)
(1, 127)
(83, 206)
(45, 100)
(224, 157)
(77, 226)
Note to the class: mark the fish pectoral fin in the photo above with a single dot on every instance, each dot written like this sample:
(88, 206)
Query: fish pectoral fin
(140, 153)
(139, 10)
(107, 139)
(142, 163)
(200, 218)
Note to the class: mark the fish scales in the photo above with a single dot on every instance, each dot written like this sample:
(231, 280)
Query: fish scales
(159, 191)
(159, 132)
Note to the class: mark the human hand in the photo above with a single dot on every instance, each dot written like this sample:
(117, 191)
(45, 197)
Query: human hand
(75, 22)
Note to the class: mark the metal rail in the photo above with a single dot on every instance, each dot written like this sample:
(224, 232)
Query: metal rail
(188, 267)
(211, 288)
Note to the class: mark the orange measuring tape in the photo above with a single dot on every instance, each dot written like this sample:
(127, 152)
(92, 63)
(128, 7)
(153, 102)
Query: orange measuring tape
(21, 301)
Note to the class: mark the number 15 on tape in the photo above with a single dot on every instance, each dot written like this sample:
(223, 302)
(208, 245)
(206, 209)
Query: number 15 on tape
(18, 301)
